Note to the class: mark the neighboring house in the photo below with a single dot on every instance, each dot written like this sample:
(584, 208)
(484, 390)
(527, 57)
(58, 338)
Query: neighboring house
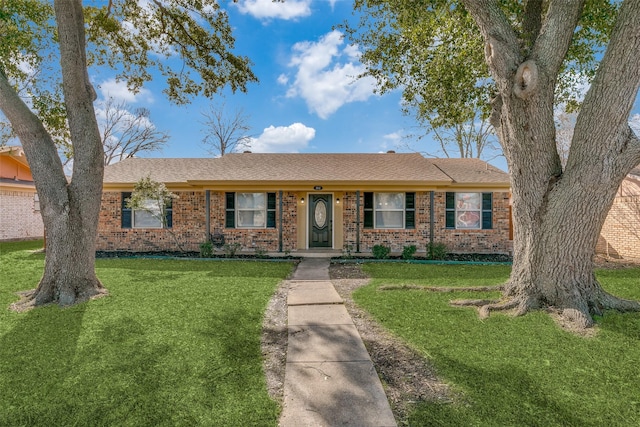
(293, 202)
(620, 236)
(19, 207)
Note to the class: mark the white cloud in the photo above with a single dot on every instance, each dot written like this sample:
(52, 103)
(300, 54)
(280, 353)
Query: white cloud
(119, 92)
(324, 81)
(269, 9)
(283, 139)
(283, 79)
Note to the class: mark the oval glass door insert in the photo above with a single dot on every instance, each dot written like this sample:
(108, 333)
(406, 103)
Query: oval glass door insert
(320, 214)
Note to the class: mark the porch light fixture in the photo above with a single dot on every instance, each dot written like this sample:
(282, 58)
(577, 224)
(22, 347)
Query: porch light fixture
(302, 201)
(337, 201)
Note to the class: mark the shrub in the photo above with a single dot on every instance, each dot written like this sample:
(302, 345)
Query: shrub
(260, 252)
(381, 251)
(408, 252)
(230, 249)
(436, 251)
(347, 250)
(206, 250)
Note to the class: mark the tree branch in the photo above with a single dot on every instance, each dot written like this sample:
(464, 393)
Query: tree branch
(502, 51)
(555, 36)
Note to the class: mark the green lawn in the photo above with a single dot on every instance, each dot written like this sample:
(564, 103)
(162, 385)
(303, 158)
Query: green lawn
(177, 343)
(512, 371)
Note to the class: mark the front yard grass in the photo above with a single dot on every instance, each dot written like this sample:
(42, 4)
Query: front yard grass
(176, 343)
(507, 371)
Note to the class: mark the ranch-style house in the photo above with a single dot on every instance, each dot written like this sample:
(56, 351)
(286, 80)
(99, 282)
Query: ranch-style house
(311, 202)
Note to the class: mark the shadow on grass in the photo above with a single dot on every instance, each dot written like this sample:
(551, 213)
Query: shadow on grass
(516, 399)
(36, 359)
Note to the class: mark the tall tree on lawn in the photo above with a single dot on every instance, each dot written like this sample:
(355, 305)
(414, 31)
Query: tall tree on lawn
(535, 52)
(200, 35)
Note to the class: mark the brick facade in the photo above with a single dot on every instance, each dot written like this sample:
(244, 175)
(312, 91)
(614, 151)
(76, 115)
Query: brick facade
(19, 216)
(495, 240)
(620, 236)
(189, 226)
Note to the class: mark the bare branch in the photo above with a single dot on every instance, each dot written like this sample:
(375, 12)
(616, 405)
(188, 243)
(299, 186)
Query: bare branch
(225, 133)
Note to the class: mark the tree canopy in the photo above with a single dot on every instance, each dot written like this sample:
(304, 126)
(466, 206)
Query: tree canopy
(433, 51)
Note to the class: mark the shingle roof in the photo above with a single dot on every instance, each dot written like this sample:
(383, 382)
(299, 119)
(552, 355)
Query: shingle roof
(471, 171)
(251, 167)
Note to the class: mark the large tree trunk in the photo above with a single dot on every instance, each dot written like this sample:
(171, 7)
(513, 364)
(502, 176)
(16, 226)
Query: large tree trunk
(558, 214)
(69, 209)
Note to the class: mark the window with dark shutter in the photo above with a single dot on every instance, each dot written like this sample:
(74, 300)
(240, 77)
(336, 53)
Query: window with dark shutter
(126, 212)
(410, 210)
(168, 214)
(230, 210)
(368, 210)
(450, 210)
(271, 210)
(487, 208)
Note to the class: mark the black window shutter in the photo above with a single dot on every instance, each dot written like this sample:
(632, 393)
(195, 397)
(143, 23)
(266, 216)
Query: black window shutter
(168, 212)
(271, 210)
(487, 214)
(410, 210)
(126, 212)
(450, 210)
(230, 211)
(368, 210)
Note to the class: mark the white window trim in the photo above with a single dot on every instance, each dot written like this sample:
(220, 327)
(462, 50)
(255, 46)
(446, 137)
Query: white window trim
(376, 210)
(264, 211)
(133, 216)
(477, 211)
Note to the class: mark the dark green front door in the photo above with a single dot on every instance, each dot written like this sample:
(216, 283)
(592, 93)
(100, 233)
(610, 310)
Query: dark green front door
(320, 223)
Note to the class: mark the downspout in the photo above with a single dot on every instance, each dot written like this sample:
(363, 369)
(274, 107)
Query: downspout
(432, 216)
(358, 221)
(207, 209)
(280, 221)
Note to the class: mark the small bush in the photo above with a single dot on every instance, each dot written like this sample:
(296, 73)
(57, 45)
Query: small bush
(437, 251)
(206, 250)
(408, 252)
(230, 249)
(260, 252)
(381, 251)
(347, 251)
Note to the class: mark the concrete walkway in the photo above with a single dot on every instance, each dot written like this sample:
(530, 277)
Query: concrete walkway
(329, 377)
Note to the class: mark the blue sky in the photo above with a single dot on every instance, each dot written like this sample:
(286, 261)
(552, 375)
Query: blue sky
(307, 99)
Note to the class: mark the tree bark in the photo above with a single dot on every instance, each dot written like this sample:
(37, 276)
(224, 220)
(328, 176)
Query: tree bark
(558, 214)
(69, 208)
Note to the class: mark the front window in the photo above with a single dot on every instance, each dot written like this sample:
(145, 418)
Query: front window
(149, 216)
(389, 210)
(251, 210)
(469, 211)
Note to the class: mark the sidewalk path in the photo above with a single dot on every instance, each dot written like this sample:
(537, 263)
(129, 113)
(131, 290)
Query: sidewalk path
(329, 377)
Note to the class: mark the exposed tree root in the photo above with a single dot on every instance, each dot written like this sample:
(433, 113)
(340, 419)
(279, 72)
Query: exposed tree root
(29, 299)
(471, 302)
(441, 288)
(486, 306)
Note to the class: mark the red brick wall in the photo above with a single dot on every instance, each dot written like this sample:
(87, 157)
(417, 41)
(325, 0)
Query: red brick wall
(188, 229)
(495, 240)
(189, 226)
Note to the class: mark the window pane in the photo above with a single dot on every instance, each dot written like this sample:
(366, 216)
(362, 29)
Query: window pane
(144, 219)
(467, 219)
(389, 219)
(251, 219)
(389, 201)
(251, 201)
(465, 201)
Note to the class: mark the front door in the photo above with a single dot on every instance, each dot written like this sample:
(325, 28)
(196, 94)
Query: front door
(320, 223)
